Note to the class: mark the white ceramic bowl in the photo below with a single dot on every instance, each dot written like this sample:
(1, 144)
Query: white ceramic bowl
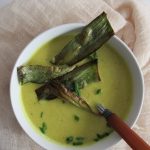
(119, 46)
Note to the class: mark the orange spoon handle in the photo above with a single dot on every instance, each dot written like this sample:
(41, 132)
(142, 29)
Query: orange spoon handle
(131, 138)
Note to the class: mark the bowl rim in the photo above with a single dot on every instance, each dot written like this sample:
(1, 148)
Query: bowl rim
(31, 132)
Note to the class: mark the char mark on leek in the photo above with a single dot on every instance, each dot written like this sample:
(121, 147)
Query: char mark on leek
(92, 37)
(75, 141)
(101, 136)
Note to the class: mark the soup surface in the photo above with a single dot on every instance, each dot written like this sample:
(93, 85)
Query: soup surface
(67, 124)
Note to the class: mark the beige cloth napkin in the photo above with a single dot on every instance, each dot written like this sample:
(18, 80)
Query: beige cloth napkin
(22, 20)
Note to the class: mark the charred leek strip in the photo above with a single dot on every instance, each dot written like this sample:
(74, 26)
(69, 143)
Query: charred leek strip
(86, 76)
(41, 74)
(92, 37)
(81, 76)
(60, 91)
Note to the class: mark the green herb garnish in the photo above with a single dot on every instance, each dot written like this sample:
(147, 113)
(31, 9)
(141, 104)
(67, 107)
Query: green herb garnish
(76, 118)
(41, 114)
(77, 90)
(100, 136)
(75, 140)
(79, 138)
(77, 143)
(96, 139)
(43, 128)
(63, 102)
(98, 91)
(69, 139)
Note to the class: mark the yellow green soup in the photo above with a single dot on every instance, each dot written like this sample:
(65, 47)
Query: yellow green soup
(67, 124)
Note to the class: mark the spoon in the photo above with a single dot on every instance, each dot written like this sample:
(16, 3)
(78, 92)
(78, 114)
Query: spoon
(131, 138)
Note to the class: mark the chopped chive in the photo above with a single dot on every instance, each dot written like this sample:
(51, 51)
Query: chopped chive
(63, 102)
(101, 136)
(43, 128)
(98, 91)
(69, 139)
(75, 140)
(98, 136)
(79, 138)
(77, 143)
(107, 133)
(77, 90)
(76, 118)
(108, 125)
(41, 114)
(96, 139)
